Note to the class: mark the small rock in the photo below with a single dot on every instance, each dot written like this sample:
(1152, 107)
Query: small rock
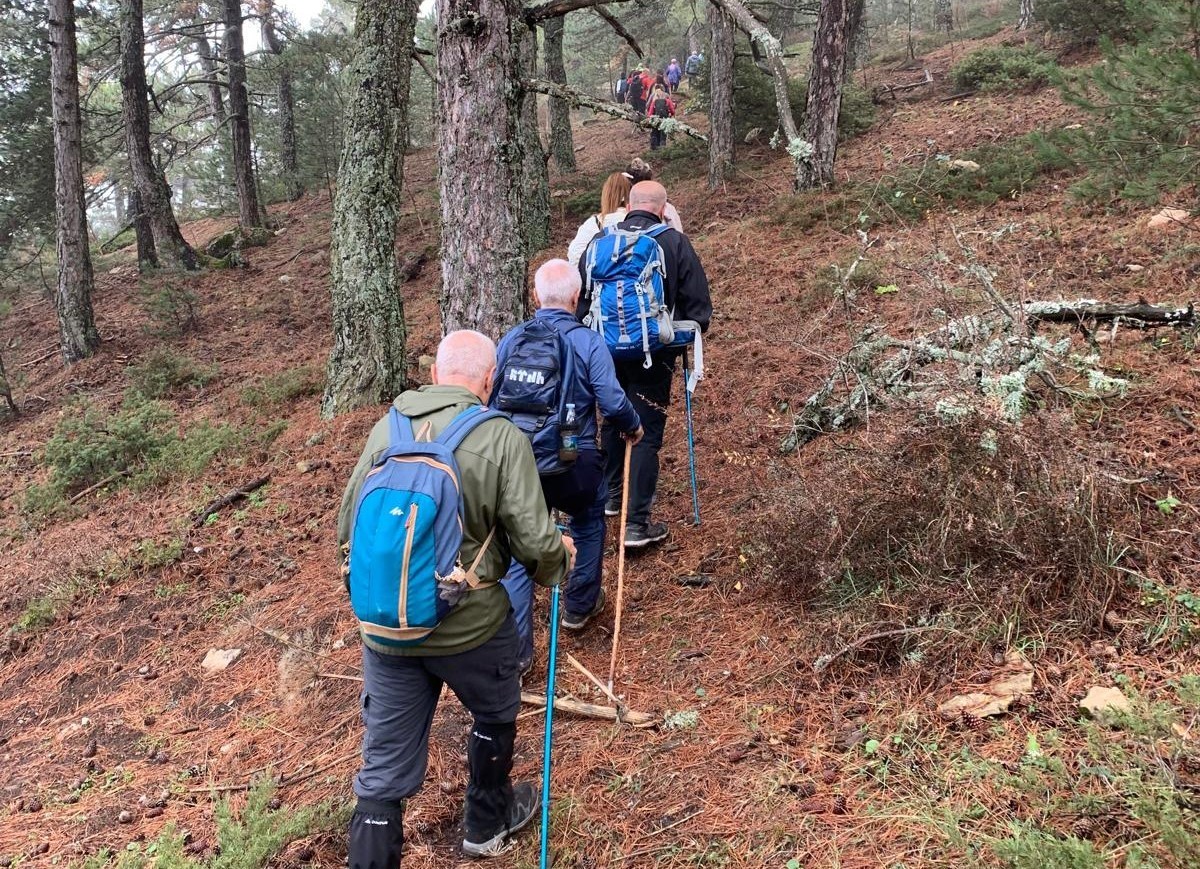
(338, 644)
(1133, 267)
(286, 279)
(1100, 701)
(85, 721)
(965, 165)
(125, 817)
(144, 670)
(1170, 219)
(218, 660)
(42, 848)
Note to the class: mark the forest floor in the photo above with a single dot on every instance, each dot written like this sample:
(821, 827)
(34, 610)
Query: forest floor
(109, 730)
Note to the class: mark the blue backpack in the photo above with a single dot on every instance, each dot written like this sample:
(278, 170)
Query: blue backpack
(405, 573)
(534, 384)
(625, 273)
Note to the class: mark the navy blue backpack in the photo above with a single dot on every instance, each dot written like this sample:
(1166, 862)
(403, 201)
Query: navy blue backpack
(405, 573)
(533, 386)
(625, 275)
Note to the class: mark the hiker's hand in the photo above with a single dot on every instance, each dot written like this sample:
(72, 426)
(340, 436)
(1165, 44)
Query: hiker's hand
(569, 543)
(633, 437)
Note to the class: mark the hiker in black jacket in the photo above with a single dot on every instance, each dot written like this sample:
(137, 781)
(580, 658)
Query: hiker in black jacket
(649, 389)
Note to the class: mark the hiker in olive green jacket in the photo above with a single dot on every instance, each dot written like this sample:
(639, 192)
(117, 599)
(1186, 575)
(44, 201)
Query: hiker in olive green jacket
(474, 648)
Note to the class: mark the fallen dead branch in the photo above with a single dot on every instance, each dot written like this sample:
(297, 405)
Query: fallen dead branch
(1143, 315)
(640, 720)
(892, 90)
(230, 497)
(646, 122)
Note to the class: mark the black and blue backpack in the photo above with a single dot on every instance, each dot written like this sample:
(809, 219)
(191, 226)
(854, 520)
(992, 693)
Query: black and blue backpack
(533, 386)
(625, 281)
(405, 572)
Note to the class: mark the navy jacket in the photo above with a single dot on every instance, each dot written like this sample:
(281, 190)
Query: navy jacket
(595, 382)
(685, 287)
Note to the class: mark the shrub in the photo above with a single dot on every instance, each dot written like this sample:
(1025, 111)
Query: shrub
(1086, 23)
(284, 387)
(1003, 68)
(164, 371)
(173, 308)
(90, 444)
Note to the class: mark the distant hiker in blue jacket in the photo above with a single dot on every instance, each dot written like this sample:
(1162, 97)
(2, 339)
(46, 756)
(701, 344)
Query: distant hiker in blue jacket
(673, 75)
(529, 387)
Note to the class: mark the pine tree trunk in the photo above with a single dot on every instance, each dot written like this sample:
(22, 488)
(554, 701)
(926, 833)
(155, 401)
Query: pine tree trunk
(249, 213)
(208, 65)
(831, 45)
(73, 295)
(943, 15)
(480, 158)
(292, 187)
(1025, 16)
(367, 365)
(720, 109)
(562, 142)
(170, 248)
(147, 257)
(535, 202)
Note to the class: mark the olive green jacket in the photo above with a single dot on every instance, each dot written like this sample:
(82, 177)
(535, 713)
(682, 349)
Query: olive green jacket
(501, 490)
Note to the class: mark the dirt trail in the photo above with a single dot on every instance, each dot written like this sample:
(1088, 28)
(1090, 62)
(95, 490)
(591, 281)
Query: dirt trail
(109, 704)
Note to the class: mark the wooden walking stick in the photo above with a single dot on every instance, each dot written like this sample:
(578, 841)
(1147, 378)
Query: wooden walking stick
(612, 664)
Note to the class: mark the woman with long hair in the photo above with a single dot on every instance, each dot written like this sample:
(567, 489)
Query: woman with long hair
(614, 198)
(640, 170)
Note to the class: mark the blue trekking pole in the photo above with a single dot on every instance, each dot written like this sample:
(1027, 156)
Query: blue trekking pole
(691, 439)
(544, 861)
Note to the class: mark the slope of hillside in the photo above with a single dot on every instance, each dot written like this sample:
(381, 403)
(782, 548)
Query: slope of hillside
(109, 730)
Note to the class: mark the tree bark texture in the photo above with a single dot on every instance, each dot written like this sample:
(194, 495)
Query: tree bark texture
(78, 337)
(480, 157)
(831, 45)
(147, 256)
(720, 110)
(562, 142)
(1025, 16)
(154, 195)
(249, 213)
(770, 55)
(290, 166)
(367, 364)
(943, 15)
(535, 184)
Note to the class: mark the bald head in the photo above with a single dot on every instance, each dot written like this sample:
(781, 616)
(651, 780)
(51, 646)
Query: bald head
(468, 359)
(557, 285)
(648, 196)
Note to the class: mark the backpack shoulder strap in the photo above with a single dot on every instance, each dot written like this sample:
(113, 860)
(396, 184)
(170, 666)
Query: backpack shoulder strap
(462, 425)
(656, 230)
(400, 428)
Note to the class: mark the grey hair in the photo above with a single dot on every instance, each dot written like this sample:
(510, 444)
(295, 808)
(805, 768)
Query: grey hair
(556, 283)
(466, 354)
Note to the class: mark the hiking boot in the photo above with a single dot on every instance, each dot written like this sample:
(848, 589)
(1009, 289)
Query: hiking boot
(612, 507)
(640, 536)
(578, 621)
(525, 804)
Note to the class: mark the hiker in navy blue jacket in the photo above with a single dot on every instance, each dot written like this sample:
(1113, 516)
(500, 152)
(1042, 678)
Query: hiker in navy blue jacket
(580, 489)
(687, 297)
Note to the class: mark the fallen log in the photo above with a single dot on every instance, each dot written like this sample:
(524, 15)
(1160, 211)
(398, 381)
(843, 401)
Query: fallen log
(1143, 315)
(892, 90)
(639, 720)
(645, 122)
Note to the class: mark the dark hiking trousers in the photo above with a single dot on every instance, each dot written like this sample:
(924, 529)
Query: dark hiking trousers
(579, 492)
(398, 699)
(649, 389)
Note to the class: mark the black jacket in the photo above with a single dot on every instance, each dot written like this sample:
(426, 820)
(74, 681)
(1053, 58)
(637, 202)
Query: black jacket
(686, 285)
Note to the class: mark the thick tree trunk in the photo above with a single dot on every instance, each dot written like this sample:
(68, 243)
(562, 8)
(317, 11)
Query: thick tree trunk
(249, 213)
(943, 15)
(1025, 16)
(367, 365)
(73, 296)
(831, 45)
(562, 142)
(147, 256)
(769, 53)
(154, 195)
(481, 157)
(292, 187)
(720, 108)
(535, 175)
